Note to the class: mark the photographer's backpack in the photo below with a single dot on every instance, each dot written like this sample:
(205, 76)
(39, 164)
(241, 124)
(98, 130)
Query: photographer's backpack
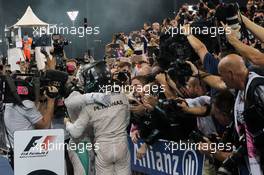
(254, 116)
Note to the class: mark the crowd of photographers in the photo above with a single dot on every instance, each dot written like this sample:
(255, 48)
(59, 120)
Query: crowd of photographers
(180, 85)
(196, 87)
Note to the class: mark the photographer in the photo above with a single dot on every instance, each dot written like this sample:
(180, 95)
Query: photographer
(235, 75)
(248, 110)
(58, 53)
(218, 146)
(27, 116)
(155, 119)
(247, 51)
(198, 91)
(197, 106)
(116, 48)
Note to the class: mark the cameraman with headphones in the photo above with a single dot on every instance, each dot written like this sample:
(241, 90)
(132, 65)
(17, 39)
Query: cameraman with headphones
(26, 111)
(27, 115)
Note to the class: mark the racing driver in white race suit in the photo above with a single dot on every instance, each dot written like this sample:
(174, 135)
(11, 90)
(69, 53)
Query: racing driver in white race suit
(109, 123)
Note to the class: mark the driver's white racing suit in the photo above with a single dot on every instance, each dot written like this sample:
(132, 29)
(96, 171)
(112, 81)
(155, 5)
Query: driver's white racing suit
(110, 123)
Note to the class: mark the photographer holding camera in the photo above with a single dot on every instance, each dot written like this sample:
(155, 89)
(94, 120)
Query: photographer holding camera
(248, 106)
(27, 111)
(27, 115)
(197, 106)
(248, 52)
(156, 116)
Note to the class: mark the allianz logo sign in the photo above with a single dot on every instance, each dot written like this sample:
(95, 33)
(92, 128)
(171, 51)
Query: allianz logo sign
(159, 162)
(190, 163)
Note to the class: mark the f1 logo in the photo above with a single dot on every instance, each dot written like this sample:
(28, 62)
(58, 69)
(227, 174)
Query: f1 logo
(32, 143)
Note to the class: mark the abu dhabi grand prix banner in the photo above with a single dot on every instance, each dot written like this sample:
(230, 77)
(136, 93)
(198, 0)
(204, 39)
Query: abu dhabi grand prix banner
(160, 159)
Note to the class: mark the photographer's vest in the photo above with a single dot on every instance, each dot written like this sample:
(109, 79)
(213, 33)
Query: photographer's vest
(242, 127)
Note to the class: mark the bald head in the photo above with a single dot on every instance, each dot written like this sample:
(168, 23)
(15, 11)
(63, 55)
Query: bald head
(233, 63)
(233, 71)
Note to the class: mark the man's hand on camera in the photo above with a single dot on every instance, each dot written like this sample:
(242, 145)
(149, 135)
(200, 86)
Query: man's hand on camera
(150, 102)
(52, 92)
(230, 33)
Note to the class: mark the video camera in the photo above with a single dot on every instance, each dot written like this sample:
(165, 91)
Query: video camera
(170, 105)
(30, 86)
